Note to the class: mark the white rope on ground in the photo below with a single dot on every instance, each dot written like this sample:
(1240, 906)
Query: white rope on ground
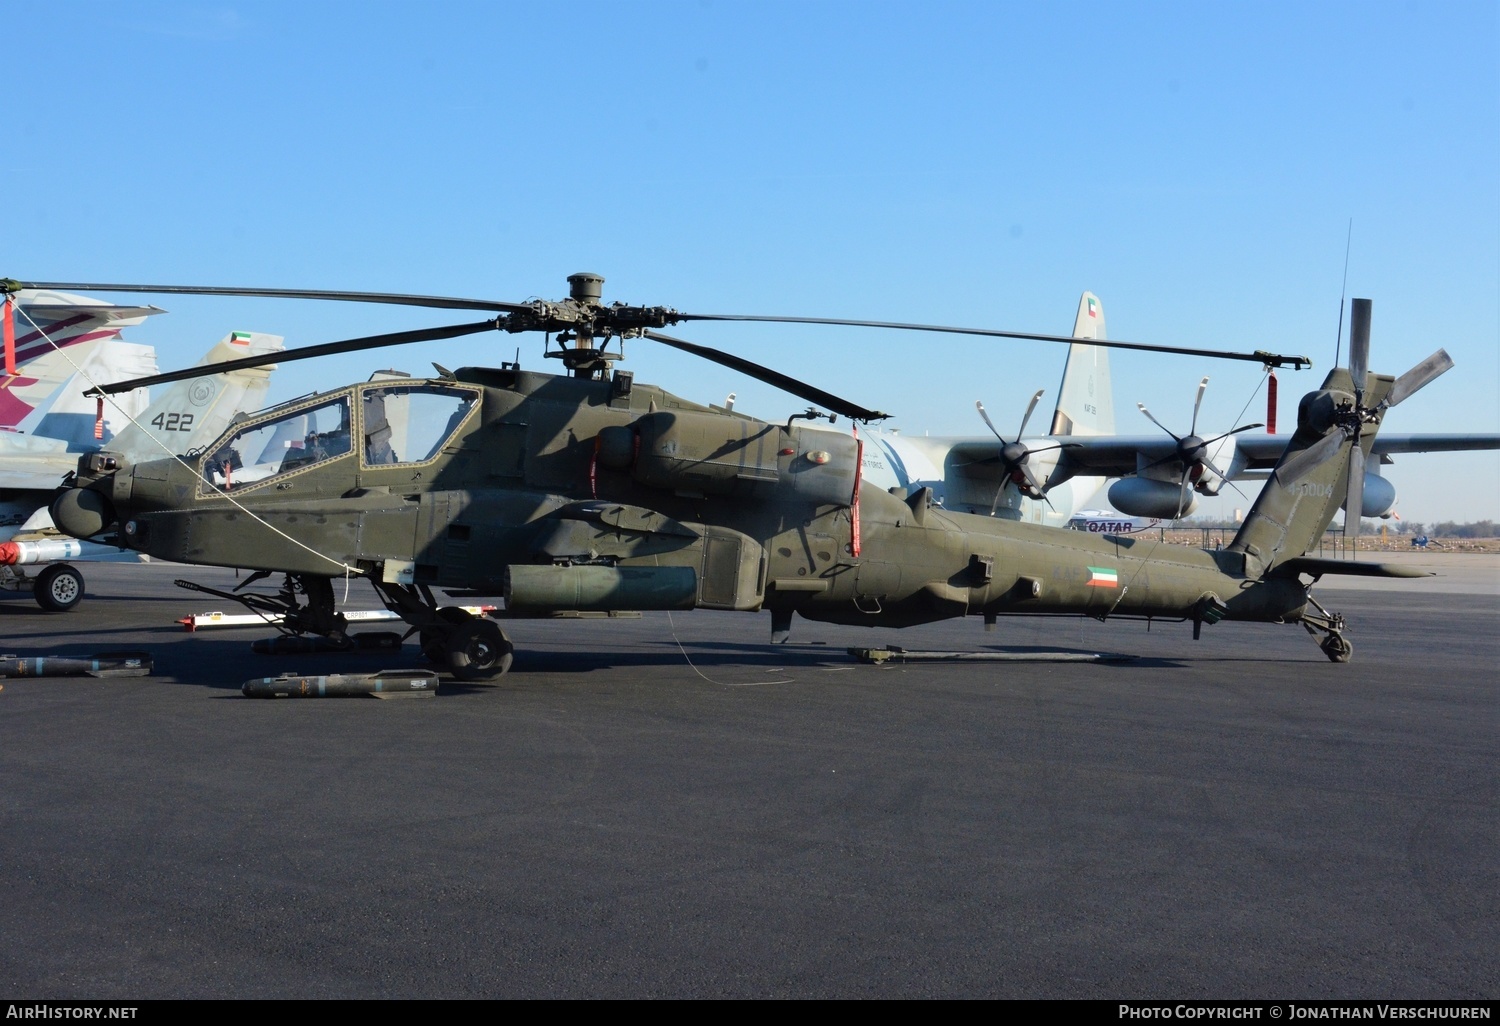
(672, 624)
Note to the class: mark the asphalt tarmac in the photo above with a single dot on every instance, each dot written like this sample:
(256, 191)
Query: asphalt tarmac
(672, 807)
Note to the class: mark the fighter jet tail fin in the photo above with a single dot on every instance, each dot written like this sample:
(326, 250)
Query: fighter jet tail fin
(193, 412)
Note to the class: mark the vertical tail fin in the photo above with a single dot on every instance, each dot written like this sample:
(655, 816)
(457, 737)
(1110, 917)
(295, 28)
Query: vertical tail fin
(70, 415)
(56, 334)
(192, 413)
(1085, 400)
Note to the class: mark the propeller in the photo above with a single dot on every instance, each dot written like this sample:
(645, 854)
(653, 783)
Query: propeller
(1192, 451)
(1014, 455)
(1349, 419)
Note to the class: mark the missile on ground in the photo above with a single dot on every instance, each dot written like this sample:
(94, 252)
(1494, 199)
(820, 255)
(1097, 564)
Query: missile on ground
(385, 684)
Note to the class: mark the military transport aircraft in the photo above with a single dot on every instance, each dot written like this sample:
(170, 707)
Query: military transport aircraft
(590, 493)
(1024, 479)
(68, 344)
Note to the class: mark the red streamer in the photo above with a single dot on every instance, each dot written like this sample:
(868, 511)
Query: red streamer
(1271, 404)
(10, 336)
(859, 467)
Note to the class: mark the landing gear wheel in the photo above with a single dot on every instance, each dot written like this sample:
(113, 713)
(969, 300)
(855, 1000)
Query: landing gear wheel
(479, 650)
(58, 588)
(434, 641)
(1337, 648)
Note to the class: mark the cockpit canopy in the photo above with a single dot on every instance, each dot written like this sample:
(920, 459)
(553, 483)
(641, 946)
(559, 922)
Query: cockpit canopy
(393, 424)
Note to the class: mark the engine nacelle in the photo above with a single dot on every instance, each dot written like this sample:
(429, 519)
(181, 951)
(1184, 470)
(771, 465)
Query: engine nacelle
(976, 481)
(693, 453)
(1145, 497)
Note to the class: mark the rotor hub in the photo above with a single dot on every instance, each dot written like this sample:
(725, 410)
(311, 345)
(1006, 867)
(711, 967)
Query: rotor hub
(585, 287)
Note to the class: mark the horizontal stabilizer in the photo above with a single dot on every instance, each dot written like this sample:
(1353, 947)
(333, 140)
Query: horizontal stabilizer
(1315, 567)
(103, 311)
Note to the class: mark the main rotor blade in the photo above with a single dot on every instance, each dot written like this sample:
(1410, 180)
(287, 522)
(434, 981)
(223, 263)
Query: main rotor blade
(1359, 343)
(393, 298)
(353, 345)
(1354, 494)
(800, 389)
(1419, 376)
(1269, 359)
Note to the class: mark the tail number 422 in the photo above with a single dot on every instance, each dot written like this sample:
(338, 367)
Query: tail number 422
(173, 422)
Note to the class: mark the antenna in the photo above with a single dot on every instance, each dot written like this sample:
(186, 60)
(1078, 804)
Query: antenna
(1343, 290)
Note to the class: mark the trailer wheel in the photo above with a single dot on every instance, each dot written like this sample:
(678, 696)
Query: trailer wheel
(58, 588)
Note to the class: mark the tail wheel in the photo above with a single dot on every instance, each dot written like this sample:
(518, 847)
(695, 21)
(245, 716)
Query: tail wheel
(59, 588)
(479, 650)
(1337, 648)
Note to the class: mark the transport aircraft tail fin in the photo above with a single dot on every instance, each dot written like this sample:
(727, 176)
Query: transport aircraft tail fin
(1085, 400)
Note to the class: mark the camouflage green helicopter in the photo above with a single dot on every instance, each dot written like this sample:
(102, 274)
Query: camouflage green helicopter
(587, 493)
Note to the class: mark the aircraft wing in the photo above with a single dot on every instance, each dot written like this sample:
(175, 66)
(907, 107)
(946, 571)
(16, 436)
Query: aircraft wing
(1117, 455)
(1262, 451)
(1096, 455)
(35, 480)
(26, 464)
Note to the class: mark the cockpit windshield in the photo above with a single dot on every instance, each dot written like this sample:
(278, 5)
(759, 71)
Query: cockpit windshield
(410, 423)
(309, 435)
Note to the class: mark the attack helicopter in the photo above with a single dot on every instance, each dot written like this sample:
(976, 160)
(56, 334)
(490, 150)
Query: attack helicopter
(588, 493)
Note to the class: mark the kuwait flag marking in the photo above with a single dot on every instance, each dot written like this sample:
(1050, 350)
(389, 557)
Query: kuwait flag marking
(1103, 577)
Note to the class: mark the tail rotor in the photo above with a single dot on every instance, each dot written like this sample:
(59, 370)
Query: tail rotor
(1348, 419)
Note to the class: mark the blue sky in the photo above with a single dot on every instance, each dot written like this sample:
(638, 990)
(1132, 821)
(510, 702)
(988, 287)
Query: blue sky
(1196, 165)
